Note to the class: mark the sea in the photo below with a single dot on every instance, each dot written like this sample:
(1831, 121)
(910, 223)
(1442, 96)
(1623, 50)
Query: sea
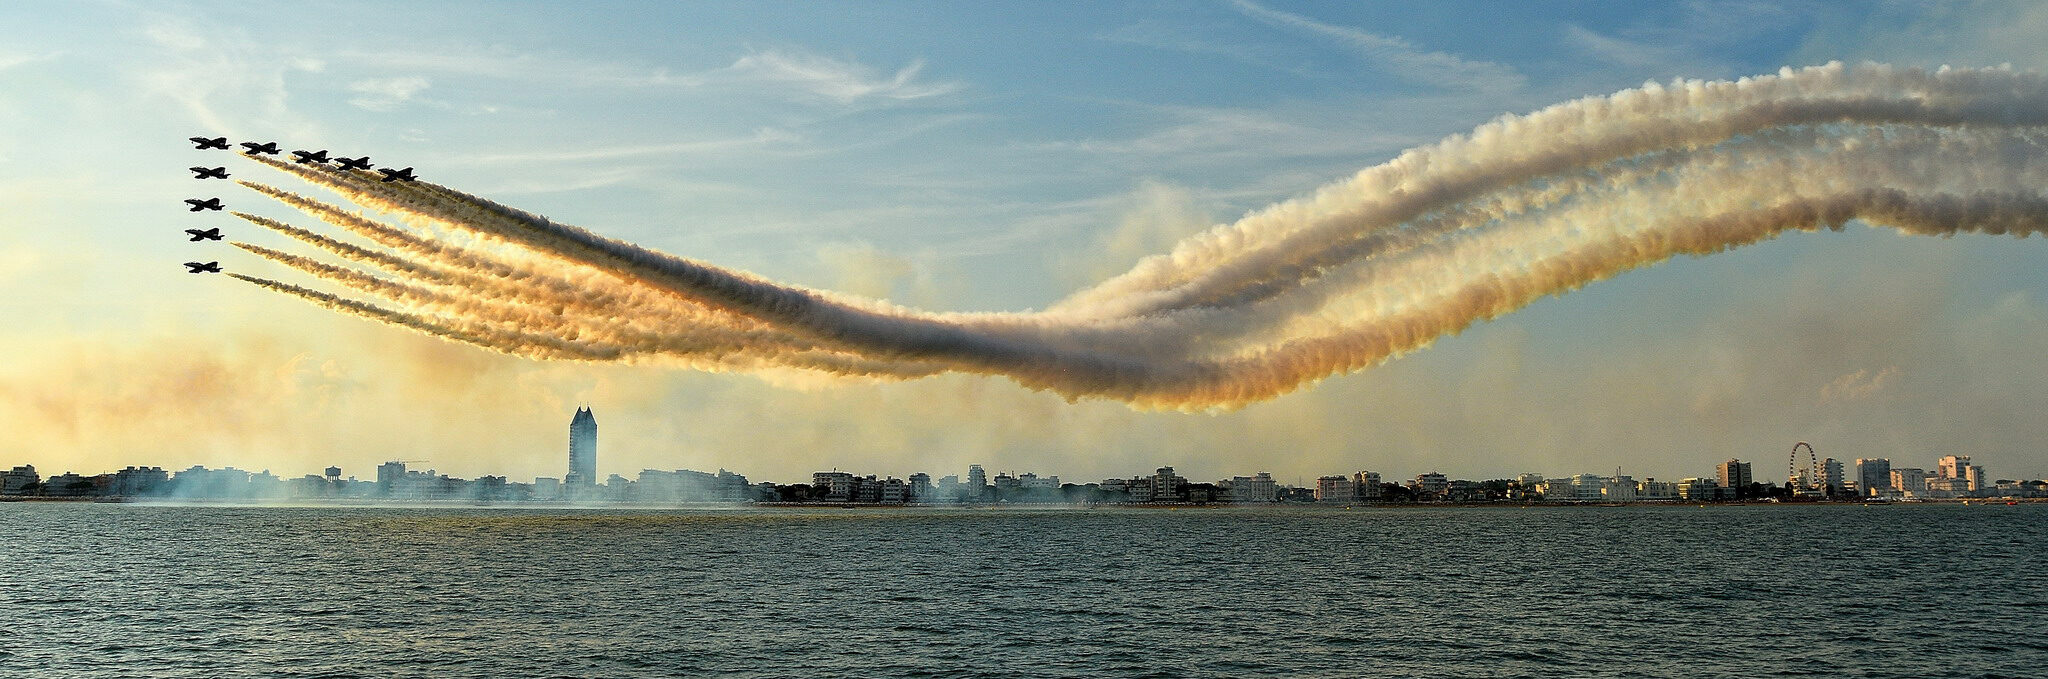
(137, 590)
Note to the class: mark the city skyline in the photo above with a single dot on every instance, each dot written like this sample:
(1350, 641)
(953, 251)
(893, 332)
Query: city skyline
(395, 482)
(921, 167)
(1953, 476)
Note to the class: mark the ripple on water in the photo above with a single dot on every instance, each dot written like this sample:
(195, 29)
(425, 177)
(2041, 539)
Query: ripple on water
(1923, 591)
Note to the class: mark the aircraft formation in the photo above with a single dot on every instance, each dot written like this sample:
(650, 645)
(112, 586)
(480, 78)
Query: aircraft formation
(266, 148)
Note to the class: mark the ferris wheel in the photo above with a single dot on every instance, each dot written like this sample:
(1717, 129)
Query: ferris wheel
(1807, 479)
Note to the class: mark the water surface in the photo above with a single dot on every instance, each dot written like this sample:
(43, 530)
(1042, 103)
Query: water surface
(206, 591)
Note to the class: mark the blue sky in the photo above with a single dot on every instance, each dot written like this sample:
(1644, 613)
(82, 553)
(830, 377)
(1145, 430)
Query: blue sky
(954, 156)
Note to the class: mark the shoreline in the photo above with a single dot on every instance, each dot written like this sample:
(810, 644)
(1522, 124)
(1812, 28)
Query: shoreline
(559, 504)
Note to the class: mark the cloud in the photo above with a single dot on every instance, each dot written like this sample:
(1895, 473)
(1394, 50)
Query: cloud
(1399, 57)
(1935, 34)
(386, 94)
(1150, 220)
(1155, 34)
(176, 36)
(537, 67)
(1857, 385)
(839, 81)
(1622, 52)
(763, 136)
(780, 70)
(861, 269)
(1233, 137)
(225, 79)
(8, 60)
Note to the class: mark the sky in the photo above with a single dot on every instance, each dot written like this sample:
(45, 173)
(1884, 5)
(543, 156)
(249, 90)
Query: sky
(958, 157)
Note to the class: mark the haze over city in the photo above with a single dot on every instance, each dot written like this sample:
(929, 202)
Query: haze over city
(975, 168)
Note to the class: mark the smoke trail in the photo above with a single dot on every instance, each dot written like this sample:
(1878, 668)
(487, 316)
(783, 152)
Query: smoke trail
(569, 287)
(599, 336)
(1685, 116)
(398, 292)
(397, 265)
(1364, 270)
(518, 344)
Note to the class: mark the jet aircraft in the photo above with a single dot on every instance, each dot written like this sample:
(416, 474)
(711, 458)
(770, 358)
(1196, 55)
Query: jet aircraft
(404, 175)
(207, 204)
(310, 157)
(362, 163)
(203, 267)
(254, 148)
(209, 172)
(203, 234)
(203, 143)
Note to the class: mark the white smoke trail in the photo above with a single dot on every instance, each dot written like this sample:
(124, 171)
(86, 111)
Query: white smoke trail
(1364, 270)
(1686, 115)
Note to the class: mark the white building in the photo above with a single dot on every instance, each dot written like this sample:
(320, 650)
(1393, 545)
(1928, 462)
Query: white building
(837, 485)
(1431, 484)
(1335, 489)
(1030, 481)
(1580, 488)
(1168, 486)
(1140, 489)
(1952, 467)
(1909, 480)
(1695, 489)
(1366, 486)
(1618, 489)
(1255, 488)
(895, 491)
(686, 485)
(1831, 478)
(67, 484)
(19, 480)
(1652, 489)
(547, 488)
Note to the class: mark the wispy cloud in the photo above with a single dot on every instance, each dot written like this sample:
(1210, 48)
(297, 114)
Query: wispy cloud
(1202, 134)
(840, 81)
(1400, 57)
(386, 94)
(11, 60)
(537, 67)
(225, 79)
(1934, 34)
(1857, 385)
(787, 70)
(176, 36)
(1156, 35)
(1619, 51)
(761, 137)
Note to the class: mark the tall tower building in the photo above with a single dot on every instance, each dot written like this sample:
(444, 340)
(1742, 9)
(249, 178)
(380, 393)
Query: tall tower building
(582, 449)
(976, 477)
